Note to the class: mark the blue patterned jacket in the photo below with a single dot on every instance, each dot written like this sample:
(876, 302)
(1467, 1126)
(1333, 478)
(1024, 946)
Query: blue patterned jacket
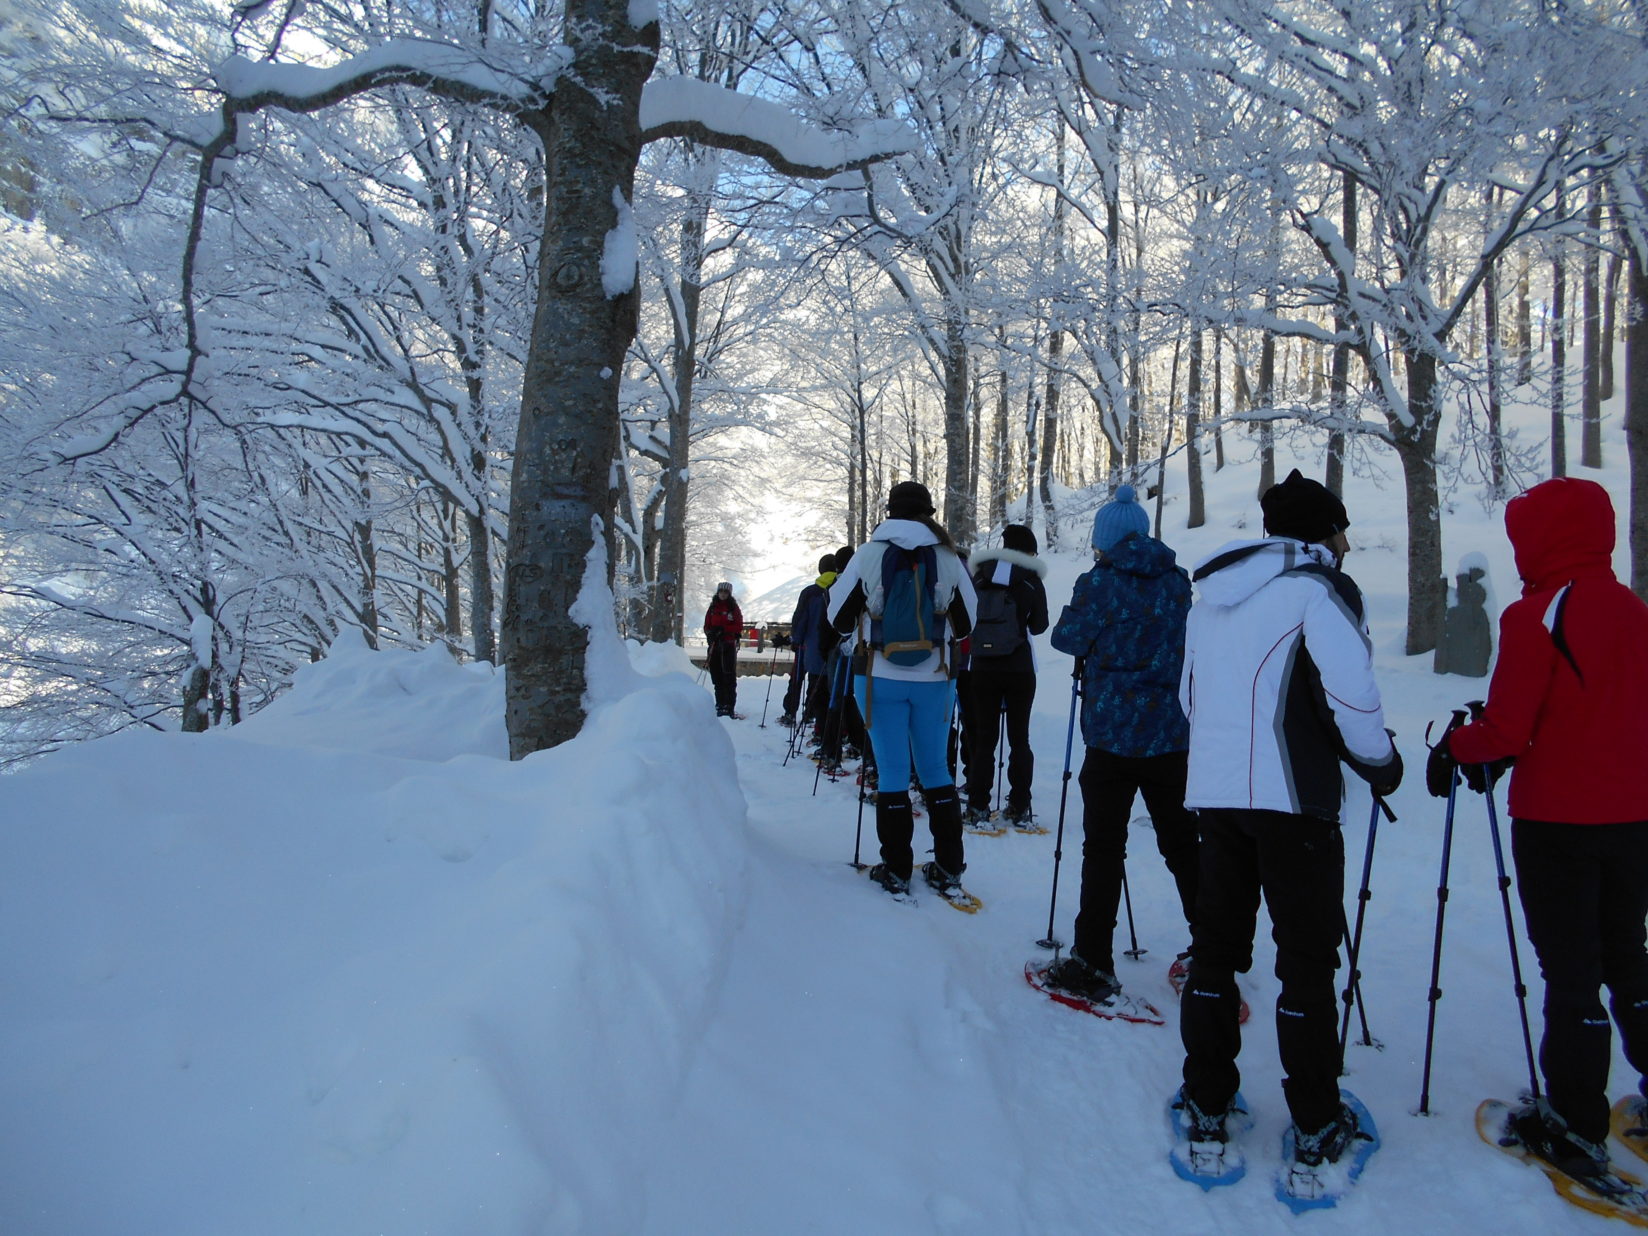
(1127, 619)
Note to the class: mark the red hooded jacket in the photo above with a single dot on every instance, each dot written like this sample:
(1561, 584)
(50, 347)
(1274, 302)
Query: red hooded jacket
(1569, 694)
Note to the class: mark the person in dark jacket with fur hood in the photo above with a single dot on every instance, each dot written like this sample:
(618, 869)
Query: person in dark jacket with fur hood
(1125, 625)
(1002, 671)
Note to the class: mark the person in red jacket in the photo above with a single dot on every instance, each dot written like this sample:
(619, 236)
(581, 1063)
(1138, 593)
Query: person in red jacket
(723, 624)
(1568, 703)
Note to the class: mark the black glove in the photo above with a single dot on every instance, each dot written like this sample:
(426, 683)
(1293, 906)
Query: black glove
(1441, 766)
(1386, 779)
(1483, 777)
(781, 641)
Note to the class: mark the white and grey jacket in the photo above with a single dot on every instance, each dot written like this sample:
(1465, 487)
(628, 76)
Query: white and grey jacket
(1278, 682)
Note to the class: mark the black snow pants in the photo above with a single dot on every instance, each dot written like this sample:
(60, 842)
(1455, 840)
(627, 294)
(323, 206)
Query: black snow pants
(1584, 891)
(1109, 784)
(991, 693)
(1298, 863)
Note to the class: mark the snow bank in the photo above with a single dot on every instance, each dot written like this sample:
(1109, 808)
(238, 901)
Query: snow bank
(347, 969)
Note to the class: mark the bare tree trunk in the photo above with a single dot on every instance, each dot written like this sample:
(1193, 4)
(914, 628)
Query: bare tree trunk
(1636, 417)
(1218, 401)
(1339, 376)
(568, 433)
(1197, 514)
(1050, 437)
(366, 551)
(1610, 326)
(1264, 399)
(1524, 323)
(1416, 449)
(1559, 354)
(999, 449)
(1496, 435)
(1590, 385)
(959, 517)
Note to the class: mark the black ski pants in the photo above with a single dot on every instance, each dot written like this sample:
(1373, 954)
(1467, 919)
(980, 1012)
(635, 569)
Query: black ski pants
(992, 693)
(1584, 891)
(1298, 864)
(1109, 784)
(723, 666)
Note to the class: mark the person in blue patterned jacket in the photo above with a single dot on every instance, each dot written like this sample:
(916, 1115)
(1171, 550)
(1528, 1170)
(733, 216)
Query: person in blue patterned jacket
(1125, 624)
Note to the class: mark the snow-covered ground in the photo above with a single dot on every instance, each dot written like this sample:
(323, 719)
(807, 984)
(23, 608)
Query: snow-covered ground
(346, 969)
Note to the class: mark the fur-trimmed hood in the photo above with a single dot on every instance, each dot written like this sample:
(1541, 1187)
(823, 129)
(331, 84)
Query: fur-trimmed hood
(1028, 561)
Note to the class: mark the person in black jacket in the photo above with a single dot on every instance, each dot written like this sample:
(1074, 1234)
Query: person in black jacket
(1002, 674)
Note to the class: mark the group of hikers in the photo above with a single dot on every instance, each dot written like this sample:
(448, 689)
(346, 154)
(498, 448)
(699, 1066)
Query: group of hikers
(1230, 697)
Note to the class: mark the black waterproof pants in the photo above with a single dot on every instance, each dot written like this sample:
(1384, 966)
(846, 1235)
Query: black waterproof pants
(992, 692)
(723, 666)
(1298, 863)
(1584, 891)
(1109, 784)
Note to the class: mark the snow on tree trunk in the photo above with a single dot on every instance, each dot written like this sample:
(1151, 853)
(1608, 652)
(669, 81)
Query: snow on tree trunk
(1416, 449)
(567, 438)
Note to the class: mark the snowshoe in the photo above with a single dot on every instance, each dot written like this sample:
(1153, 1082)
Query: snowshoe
(1629, 1121)
(1206, 1149)
(949, 887)
(1598, 1186)
(897, 886)
(981, 822)
(1117, 1006)
(1319, 1168)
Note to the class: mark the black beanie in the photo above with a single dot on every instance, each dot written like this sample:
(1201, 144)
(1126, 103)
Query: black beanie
(908, 499)
(1018, 537)
(1303, 509)
(826, 564)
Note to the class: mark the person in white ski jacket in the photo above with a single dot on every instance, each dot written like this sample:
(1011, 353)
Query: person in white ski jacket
(1278, 687)
(906, 697)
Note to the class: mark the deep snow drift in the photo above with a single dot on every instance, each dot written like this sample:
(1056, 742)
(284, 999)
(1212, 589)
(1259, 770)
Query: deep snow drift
(346, 969)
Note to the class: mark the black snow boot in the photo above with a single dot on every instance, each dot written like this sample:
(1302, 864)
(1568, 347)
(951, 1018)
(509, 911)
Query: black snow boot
(944, 819)
(895, 826)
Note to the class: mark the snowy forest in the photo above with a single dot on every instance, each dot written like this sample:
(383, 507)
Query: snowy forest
(412, 320)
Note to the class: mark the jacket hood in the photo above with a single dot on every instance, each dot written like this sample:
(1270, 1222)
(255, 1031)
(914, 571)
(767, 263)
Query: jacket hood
(905, 533)
(1234, 573)
(1141, 555)
(1559, 529)
(825, 580)
(1028, 561)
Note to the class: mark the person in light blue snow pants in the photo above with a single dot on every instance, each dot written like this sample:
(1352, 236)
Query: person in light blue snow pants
(909, 722)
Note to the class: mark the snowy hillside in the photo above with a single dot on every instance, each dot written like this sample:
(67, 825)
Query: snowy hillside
(345, 969)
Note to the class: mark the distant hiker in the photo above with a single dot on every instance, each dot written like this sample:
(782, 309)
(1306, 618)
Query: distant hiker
(1466, 645)
(806, 629)
(1278, 686)
(1125, 625)
(1566, 704)
(723, 624)
(1012, 606)
(904, 593)
(840, 727)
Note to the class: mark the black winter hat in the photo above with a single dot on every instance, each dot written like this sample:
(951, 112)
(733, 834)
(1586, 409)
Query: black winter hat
(826, 564)
(909, 498)
(843, 556)
(1303, 509)
(1019, 538)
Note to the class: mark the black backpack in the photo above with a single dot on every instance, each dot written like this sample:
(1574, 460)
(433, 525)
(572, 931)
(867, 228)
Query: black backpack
(997, 630)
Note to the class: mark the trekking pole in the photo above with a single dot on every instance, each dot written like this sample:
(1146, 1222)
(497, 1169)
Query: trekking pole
(771, 666)
(1436, 949)
(1353, 985)
(1135, 952)
(1051, 941)
(1001, 748)
(1510, 934)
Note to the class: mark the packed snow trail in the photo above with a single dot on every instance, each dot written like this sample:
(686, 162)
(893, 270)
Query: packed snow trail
(877, 1067)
